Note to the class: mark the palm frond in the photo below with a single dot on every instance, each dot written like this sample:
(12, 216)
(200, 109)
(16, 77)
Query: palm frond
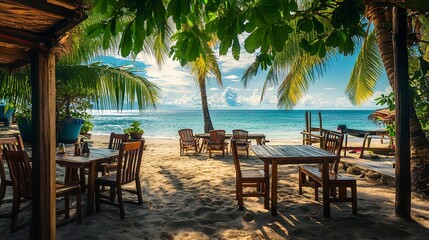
(112, 86)
(366, 71)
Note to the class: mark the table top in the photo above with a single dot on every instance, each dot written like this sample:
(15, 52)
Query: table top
(228, 135)
(94, 155)
(292, 153)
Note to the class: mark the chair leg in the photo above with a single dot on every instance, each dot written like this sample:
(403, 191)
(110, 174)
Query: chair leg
(2, 190)
(97, 196)
(316, 192)
(15, 211)
(354, 198)
(139, 191)
(66, 206)
(300, 179)
(78, 207)
(82, 178)
(240, 197)
(120, 202)
(112, 193)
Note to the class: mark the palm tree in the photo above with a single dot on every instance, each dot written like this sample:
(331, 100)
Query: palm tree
(376, 52)
(110, 86)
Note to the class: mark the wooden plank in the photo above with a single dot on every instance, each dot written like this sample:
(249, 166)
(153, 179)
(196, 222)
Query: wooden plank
(23, 38)
(402, 118)
(48, 9)
(43, 144)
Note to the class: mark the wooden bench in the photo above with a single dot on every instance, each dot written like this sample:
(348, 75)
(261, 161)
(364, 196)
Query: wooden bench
(338, 185)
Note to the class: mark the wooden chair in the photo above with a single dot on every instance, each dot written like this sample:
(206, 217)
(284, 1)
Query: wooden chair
(10, 143)
(115, 142)
(187, 141)
(242, 142)
(20, 173)
(128, 170)
(217, 142)
(249, 178)
(333, 143)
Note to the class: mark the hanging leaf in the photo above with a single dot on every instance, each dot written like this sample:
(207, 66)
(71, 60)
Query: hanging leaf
(254, 41)
(127, 40)
(305, 24)
(236, 48)
(95, 30)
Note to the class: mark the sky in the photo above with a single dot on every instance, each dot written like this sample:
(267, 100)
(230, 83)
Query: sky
(179, 90)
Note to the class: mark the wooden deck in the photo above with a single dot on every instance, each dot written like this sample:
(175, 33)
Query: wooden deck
(383, 166)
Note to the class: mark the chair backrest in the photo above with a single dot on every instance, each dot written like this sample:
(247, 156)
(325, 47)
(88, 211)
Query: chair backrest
(236, 159)
(186, 135)
(20, 171)
(240, 134)
(129, 161)
(10, 143)
(333, 142)
(116, 140)
(217, 136)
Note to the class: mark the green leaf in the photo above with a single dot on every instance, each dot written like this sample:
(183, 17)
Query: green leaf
(127, 40)
(236, 48)
(332, 40)
(305, 24)
(254, 40)
(318, 26)
(322, 50)
(279, 35)
(106, 36)
(100, 6)
(95, 30)
(293, 6)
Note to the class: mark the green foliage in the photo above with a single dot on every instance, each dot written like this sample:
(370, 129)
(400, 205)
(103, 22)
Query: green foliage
(389, 102)
(134, 128)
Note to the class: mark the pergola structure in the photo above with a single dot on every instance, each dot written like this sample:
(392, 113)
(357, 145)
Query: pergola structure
(30, 33)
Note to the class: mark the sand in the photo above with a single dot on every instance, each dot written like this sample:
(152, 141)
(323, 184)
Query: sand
(193, 197)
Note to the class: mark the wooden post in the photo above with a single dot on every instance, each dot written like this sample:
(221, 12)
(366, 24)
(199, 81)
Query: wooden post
(402, 104)
(43, 144)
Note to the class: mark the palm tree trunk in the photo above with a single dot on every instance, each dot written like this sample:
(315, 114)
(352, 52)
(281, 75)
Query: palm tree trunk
(381, 17)
(207, 120)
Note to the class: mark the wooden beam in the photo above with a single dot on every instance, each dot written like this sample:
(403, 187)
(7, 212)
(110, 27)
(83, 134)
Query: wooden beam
(50, 10)
(15, 53)
(23, 38)
(43, 144)
(63, 3)
(402, 105)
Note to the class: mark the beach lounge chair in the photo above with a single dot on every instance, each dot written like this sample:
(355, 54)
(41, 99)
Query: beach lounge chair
(249, 178)
(127, 171)
(10, 143)
(332, 142)
(20, 173)
(187, 141)
(242, 142)
(217, 142)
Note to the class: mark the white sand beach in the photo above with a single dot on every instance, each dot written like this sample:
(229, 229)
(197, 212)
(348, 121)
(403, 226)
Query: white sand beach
(193, 197)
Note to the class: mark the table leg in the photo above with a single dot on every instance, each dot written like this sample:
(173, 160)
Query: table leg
(91, 188)
(267, 175)
(325, 186)
(274, 188)
(204, 141)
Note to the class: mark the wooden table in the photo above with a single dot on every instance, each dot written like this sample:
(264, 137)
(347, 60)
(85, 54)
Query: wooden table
(260, 138)
(88, 161)
(294, 154)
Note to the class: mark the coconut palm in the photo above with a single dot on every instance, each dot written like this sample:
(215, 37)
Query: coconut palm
(111, 86)
(376, 53)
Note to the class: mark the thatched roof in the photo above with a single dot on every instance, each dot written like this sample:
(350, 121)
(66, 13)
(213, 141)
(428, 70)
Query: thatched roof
(27, 24)
(382, 116)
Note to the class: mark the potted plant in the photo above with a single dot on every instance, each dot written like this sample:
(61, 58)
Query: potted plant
(72, 102)
(134, 131)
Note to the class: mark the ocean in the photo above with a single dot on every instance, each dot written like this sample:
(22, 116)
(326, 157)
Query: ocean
(275, 124)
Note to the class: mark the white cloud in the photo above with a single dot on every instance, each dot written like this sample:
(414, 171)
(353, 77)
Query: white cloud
(231, 77)
(213, 89)
(329, 88)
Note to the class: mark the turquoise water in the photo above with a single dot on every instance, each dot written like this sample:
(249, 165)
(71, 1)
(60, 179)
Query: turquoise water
(275, 124)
